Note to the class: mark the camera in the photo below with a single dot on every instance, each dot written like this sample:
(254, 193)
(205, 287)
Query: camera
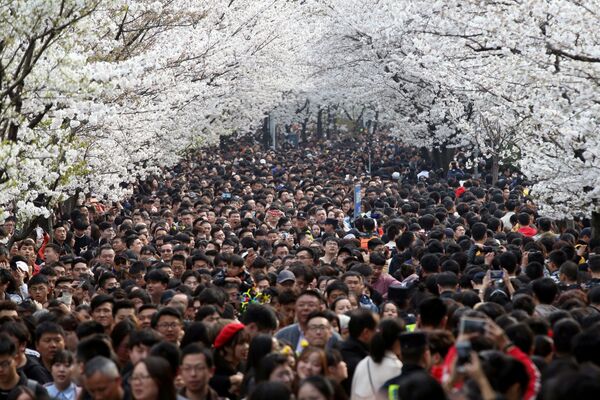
(463, 353)
(472, 325)
(226, 196)
(489, 249)
(496, 275)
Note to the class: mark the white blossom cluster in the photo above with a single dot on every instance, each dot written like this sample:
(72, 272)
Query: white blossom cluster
(95, 94)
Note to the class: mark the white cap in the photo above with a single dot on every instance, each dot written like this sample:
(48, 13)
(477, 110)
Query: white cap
(22, 266)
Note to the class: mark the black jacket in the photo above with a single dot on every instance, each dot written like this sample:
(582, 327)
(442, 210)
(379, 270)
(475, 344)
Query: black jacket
(353, 351)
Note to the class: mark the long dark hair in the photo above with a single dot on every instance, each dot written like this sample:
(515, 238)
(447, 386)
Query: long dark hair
(260, 346)
(384, 340)
(161, 373)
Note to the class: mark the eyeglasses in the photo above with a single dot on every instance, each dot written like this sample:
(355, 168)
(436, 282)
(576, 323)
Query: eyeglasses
(318, 327)
(165, 325)
(5, 364)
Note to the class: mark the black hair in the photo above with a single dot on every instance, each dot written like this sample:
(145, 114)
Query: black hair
(385, 338)
(432, 311)
(62, 357)
(260, 346)
(122, 304)
(7, 346)
(92, 347)
(157, 275)
(321, 384)
(48, 327)
(169, 352)
(163, 375)
(121, 331)
(88, 328)
(563, 333)
(16, 329)
(337, 285)
(545, 290)
(268, 364)
(100, 299)
(195, 332)
(360, 320)
(271, 390)
(522, 336)
(195, 348)
(171, 311)
(263, 316)
(146, 337)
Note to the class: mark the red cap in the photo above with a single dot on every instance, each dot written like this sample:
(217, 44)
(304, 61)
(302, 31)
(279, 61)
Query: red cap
(227, 333)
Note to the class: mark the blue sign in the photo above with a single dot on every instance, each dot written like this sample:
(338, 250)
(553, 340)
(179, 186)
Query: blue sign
(357, 200)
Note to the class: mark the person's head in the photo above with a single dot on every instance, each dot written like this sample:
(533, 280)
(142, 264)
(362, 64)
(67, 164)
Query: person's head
(232, 343)
(389, 309)
(545, 290)
(49, 339)
(124, 309)
(316, 388)
(8, 354)
(197, 367)
(306, 303)
(8, 308)
(275, 367)
(386, 339)
(140, 342)
(335, 289)
(318, 329)
(60, 368)
(106, 254)
(568, 272)
(432, 313)
(354, 281)
(362, 325)
(39, 288)
(168, 322)
(152, 379)
(102, 310)
(145, 314)
(268, 390)
(312, 361)
(235, 265)
(563, 333)
(415, 349)
(506, 375)
(259, 318)
(102, 379)
(156, 283)
(341, 305)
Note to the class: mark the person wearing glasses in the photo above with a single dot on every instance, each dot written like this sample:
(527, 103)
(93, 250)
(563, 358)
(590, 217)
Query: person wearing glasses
(196, 369)
(10, 378)
(152, 379)
(168, 322)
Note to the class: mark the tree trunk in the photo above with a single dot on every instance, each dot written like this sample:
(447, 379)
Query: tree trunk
(495, 169)
(266, 136)
(595, 225)
(303, 132)
(320, 123)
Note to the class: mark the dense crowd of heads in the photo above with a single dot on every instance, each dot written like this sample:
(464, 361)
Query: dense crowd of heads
(249, 273)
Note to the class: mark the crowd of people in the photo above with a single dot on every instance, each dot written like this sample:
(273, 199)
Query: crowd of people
(245, 273)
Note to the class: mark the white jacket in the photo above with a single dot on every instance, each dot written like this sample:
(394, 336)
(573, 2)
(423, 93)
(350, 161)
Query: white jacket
(369, 377)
